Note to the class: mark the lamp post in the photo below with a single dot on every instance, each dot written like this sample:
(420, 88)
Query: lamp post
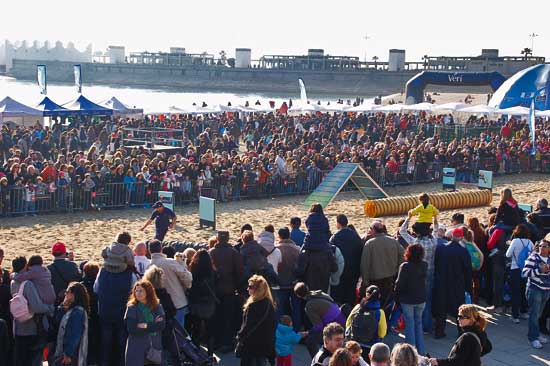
(366, 37)
(533, 36)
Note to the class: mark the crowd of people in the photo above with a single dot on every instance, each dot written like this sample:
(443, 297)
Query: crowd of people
(339, 293)
(86, 164)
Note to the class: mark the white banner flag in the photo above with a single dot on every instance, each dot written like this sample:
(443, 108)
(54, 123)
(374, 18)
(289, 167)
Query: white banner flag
(41, 78)
(78, 78)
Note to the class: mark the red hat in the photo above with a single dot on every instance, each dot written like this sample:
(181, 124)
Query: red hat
(458, 232)
(59, 248)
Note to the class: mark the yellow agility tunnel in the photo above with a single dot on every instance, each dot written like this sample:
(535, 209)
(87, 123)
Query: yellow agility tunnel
(443, 201)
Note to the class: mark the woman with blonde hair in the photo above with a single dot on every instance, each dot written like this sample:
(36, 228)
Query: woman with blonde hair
(256, 338)
(145, 321)
(472, 344)
(508, 213)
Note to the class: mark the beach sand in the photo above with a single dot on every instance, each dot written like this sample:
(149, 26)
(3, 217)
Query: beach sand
(87, 233)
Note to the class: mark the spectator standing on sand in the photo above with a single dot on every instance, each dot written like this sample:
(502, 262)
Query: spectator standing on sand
(316, 261)
(380, 260)
(63, 271)
(177, 279)
(452, 279)
(30, 335)
(349, 243)
(228, 264)
(164, 219)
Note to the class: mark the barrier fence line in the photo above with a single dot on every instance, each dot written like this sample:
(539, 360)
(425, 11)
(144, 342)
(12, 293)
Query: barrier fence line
(19, 200)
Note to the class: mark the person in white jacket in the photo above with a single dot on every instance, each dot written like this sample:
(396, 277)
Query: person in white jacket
(177, 279)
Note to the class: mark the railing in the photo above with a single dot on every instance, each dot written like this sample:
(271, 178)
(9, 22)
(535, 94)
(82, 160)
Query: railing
(19, 200)
(448, 133)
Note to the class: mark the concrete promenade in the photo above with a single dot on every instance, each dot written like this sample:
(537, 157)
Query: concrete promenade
(510, 345)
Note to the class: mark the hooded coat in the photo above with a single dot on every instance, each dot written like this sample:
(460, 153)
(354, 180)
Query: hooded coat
(453, 277)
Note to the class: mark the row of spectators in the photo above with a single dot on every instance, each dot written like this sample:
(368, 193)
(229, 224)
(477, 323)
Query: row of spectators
(228, 157)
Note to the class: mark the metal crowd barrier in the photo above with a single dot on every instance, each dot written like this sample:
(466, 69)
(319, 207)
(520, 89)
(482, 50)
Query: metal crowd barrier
(15, 201)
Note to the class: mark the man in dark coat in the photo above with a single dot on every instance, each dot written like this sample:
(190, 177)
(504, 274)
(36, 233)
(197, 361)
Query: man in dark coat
(316, 260)
(351, 246)
(228, 264)
(63, 271)
(452, 279)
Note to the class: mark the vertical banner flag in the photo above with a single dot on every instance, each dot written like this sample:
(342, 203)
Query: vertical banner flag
(532, 126)
(41, 77)
(78, 78)
(303, 95)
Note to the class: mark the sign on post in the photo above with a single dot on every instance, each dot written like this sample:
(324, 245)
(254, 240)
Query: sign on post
(485, 180)
(167, 199)
(449, 178)
(207, 212)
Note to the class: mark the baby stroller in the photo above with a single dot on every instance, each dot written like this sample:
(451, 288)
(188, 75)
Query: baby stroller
(185, 352)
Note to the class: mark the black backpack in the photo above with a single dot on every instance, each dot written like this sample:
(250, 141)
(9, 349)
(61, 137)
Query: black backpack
(364, 326)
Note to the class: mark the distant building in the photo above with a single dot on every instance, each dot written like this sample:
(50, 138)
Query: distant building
(21, 51)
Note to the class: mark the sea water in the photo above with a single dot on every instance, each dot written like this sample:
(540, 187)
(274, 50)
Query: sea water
(151, 100)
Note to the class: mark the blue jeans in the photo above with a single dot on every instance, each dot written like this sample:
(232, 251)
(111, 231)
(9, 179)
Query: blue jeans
(537, 300)
(413, 325)
(289, 304)
(427, 320)
(180, 315)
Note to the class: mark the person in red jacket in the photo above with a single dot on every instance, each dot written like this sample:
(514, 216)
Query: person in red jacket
(49, 173)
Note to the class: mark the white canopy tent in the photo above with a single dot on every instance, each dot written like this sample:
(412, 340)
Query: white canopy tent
(419, 107)
(514, 111)
(448, 106)
(478, 109)
(304, 108)
(121, 109)
(390, 108)
(363, 108)
(542, 113)
(336, 107)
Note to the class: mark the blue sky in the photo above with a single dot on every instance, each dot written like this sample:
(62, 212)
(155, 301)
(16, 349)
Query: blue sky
(452, 28)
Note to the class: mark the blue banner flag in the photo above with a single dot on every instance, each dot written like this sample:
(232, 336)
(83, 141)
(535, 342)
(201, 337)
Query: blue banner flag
(41, 78)
(532, 126)
(78, 78)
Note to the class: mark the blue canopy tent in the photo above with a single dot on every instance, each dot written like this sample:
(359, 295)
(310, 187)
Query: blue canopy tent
(50, 108)
(82, 106)
(522, 87)
(120, 108)
(13, 111)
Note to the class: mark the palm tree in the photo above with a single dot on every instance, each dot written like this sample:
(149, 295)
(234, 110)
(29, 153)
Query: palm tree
(375, 59)
(526, 52)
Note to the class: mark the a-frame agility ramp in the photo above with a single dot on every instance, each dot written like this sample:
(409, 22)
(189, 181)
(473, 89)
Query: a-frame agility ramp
(338, 178)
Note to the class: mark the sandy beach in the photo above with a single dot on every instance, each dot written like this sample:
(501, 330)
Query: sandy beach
(87, 233)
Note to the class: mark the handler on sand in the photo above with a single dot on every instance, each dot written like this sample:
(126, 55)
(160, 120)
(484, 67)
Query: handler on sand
(164, 219)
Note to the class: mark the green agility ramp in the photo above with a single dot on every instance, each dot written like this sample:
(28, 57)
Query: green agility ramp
(337, 179)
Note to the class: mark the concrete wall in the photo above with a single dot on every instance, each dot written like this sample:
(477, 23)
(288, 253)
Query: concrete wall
(365, 83)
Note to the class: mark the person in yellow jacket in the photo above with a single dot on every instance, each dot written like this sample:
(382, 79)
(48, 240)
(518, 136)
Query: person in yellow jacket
(366, 324)
(425, 212)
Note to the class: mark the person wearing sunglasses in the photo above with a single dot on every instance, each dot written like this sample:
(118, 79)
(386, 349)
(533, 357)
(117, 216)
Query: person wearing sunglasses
(472, 344)
(537, 272)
